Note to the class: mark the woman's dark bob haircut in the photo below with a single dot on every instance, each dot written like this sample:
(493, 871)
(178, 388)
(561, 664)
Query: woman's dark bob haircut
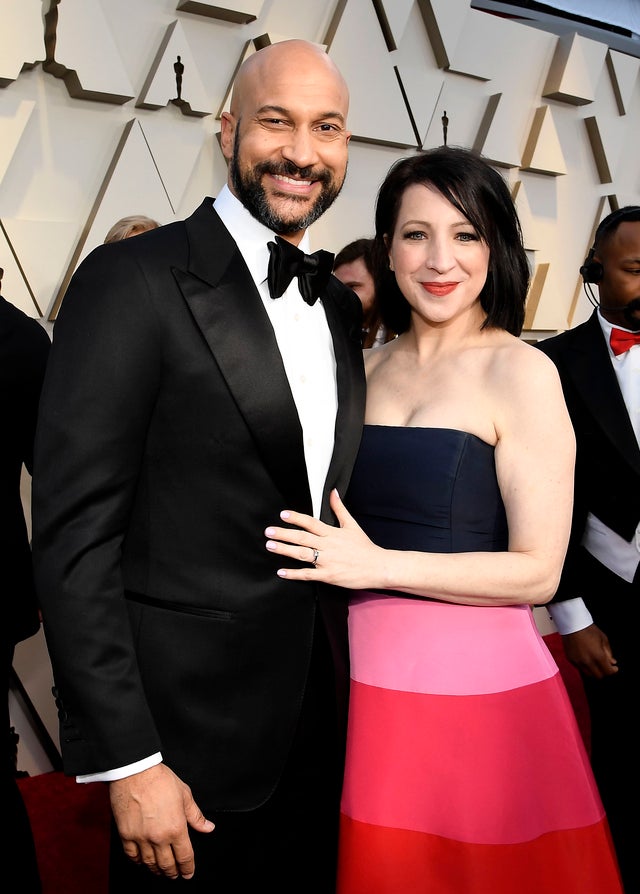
(470, 183)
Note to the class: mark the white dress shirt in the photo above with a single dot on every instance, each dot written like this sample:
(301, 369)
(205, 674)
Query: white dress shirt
(605, 545)
(304, 339)
(306, 346)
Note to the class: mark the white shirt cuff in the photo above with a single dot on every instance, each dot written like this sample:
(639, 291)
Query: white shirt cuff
(570, 616)
(122, 772)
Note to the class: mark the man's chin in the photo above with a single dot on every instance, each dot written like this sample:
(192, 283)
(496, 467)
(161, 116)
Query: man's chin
(293, 213)
(291, 207)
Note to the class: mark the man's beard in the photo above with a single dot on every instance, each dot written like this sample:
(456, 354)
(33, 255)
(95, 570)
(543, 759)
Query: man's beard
(249, 190)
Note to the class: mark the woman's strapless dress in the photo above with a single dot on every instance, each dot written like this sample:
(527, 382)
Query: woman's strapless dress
(466, 772)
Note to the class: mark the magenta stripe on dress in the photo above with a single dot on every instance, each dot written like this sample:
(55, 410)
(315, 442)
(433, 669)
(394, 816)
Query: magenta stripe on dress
(418, 757)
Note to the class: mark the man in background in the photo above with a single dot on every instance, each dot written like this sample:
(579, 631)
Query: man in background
(24, 348)
(193, 390)
(599, 364)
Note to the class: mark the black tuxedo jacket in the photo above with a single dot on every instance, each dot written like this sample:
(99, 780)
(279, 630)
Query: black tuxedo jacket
(607, 478)
(24, 347)
(168, 439)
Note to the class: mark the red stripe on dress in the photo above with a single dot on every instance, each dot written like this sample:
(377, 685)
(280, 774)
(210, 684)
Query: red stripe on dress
(378, 860)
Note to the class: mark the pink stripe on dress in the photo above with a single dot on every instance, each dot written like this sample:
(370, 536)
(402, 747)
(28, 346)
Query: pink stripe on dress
(457, 648)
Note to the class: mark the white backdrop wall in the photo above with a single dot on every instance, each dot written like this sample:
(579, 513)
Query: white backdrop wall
(90, 132)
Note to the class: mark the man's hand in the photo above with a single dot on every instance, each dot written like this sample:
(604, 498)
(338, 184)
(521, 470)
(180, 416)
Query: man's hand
(590, 652)
(152, 810)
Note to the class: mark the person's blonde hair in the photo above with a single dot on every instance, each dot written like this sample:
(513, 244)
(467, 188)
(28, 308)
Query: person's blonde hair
(130, 226)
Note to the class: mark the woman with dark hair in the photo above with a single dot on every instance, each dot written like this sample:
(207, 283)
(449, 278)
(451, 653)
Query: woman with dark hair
(466, 772)
(481, 196)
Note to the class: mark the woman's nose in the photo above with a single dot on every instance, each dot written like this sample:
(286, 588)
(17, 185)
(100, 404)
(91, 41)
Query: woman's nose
(439, 255)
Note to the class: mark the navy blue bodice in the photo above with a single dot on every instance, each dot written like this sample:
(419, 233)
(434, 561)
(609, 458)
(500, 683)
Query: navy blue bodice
(431, 489)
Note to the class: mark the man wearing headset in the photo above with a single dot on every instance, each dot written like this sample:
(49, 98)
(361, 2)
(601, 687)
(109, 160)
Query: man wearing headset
(599, 364)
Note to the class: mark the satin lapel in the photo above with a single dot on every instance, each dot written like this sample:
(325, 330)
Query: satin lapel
(229, 312)
(346, 329)
(590, 367)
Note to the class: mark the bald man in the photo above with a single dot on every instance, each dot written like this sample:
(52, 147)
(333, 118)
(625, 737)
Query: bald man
(189, 396)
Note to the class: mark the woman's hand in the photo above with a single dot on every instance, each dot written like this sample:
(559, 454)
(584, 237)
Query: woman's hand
(342, 556)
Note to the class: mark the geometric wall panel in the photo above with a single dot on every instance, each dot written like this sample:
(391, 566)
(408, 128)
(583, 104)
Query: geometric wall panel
(472, 55)
(174, 162)
(12, 125)
(543, 153)
(73, 30)
(15, 285)
(395, 14)
(405, 61)
(240, 12)
(131, 172)
(20, 38)
(377, 111)
(574, 70)
(532, 238)
(31, 251)
(422, 80)
(248, 49)
(496, 139)
(161, 85)
(582, 289)
(535, 292)
(444, 20)
(597, 148)
(623, 71)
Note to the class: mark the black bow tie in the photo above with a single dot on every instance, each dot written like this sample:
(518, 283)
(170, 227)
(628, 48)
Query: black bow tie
(286, 261)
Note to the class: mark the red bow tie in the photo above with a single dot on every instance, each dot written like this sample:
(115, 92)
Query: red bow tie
(621, 341)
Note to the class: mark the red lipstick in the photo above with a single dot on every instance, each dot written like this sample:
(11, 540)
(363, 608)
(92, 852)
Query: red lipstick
(439, 288)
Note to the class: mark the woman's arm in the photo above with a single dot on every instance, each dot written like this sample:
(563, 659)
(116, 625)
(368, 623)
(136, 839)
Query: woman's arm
(535, 454)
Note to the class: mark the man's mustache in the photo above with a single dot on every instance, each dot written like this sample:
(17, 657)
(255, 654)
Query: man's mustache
(289, 169)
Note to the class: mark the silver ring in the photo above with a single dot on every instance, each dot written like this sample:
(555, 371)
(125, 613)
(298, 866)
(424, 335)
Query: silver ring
(316, 556)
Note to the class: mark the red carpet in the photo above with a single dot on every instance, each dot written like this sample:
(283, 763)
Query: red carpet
(71, 822)
(70, 825)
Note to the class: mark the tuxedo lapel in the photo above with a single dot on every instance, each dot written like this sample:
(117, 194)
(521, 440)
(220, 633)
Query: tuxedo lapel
(589, 365)
(351, 389)
(227, 308)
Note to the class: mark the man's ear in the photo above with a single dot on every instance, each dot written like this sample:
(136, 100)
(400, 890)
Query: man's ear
(227, 134)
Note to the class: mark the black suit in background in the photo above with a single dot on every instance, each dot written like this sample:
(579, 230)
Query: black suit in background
(172, 442)
(24, 347)
(607, 484)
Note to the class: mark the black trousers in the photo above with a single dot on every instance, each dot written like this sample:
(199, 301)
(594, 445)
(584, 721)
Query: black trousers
(288, 845)
(613, 708)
